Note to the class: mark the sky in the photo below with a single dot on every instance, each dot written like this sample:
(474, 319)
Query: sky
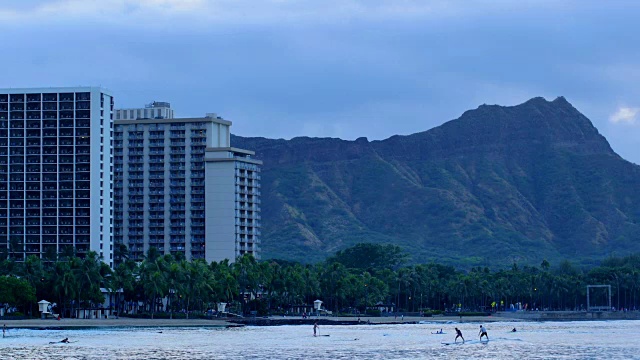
(335, 68)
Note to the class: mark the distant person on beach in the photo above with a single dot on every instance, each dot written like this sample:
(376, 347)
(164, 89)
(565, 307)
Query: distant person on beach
(483, 332)
(458, 335)
(315, 328)
(4, 329)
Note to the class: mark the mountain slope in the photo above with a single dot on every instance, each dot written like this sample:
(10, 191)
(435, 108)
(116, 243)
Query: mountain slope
(497, 185)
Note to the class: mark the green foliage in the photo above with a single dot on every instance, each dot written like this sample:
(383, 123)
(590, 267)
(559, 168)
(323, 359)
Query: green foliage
(268, 287)
(370, 257)
(16, 292)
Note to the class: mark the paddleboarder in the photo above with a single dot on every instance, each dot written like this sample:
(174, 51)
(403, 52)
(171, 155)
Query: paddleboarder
(483, 332)
(458, 335)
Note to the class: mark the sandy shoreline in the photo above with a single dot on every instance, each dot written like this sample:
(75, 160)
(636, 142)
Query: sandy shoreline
(297, 320)
(121, 322)
(130, 322)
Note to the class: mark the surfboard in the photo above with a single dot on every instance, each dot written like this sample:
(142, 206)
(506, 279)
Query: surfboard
(439, 333)
(452, 343)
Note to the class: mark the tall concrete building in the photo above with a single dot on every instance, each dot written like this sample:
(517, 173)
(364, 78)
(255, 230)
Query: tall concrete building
(56, 164)
(180, 187)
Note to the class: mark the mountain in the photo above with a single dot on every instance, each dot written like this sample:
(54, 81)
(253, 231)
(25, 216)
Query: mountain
(497, 185)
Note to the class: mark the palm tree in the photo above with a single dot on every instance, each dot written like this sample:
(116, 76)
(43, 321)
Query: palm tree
(88, 278)
(154, 286)
(175, 278)
(198, 281)
(64, 284)
(120, 281)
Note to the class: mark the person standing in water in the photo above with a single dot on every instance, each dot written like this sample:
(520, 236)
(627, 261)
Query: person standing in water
(483, 332)
(4, 329)
(458, 335)
(316, 328)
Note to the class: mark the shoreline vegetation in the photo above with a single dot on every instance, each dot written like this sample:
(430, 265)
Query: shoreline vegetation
(369, 281)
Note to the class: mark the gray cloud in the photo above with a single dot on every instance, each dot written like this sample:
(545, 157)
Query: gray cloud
(344, 68)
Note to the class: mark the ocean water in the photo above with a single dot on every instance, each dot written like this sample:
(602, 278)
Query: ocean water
(533, 340)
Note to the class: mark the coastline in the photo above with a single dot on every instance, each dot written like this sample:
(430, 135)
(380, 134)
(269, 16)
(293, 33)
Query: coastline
(51, 324)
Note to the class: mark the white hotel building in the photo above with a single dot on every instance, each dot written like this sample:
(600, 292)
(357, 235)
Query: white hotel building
(56, 172)
(180, 187)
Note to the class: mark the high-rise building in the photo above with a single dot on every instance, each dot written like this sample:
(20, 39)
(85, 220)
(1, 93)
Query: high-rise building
(56, 164)
(180, 187)
(154, 110)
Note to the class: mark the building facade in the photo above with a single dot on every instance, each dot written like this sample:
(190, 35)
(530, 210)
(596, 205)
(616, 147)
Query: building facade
(176, 189)
(56, 165)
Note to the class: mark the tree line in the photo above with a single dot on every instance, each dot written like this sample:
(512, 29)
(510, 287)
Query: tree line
(360, 279)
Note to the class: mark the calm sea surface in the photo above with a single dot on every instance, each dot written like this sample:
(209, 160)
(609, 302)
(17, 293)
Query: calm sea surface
(548, 340)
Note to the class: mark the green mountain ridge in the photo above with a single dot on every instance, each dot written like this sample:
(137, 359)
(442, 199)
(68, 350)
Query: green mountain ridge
(497, 185)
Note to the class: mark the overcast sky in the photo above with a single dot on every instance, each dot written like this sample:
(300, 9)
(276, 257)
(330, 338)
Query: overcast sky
(337, 68)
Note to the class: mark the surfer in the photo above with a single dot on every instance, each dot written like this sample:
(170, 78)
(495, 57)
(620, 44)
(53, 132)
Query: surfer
(514, 330)
(64, 341)
(315, 328)
(483, 332)
(458, 335)
(4, 329)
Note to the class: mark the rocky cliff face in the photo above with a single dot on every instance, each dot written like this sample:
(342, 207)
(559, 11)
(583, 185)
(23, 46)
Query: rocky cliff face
(497, 185)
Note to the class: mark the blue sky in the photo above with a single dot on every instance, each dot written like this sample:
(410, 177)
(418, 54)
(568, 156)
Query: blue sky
(338, 68)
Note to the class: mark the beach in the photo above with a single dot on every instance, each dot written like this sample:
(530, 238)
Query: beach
(272, 320)
(298, 320)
